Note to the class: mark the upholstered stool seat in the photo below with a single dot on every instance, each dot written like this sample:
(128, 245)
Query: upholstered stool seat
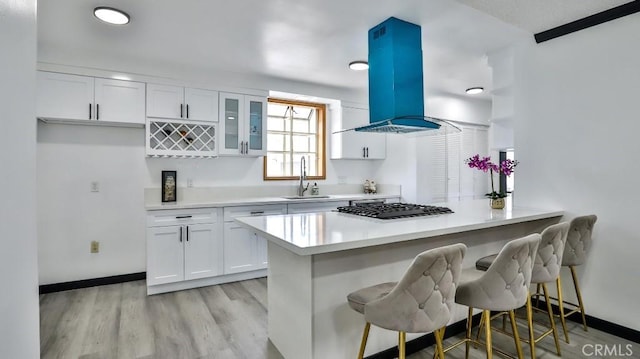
(421, 302)
(359, 298)
(485, 262)
(503, 287)
(546, 269)
(579, 241)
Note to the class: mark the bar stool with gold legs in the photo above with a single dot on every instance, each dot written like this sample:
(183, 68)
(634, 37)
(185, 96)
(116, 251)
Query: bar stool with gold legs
(421, 302)
(546, 269)
(575, 253)
(504, 287)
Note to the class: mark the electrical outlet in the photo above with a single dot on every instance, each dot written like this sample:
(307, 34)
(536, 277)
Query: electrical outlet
(95, 186)
(95, 247)
(189, 182)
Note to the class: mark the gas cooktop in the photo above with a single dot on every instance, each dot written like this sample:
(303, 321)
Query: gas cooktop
(393, 210)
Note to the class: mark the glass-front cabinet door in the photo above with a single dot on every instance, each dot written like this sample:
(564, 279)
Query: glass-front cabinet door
(231, 115)
(242, 125)
(256, 134)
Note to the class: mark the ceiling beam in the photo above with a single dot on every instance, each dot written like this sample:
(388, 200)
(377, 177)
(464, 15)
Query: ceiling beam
(589, 21)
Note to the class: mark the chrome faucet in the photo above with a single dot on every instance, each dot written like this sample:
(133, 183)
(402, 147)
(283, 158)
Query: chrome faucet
(303, 175)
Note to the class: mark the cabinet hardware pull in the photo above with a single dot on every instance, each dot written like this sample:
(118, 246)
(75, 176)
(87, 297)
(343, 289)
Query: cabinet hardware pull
(253, 213)
(246, 147)
(364, 152)
(97, 111)
(367, 152)
(180, 217)
(187, 110)
(180, 110)
(242, 147)
(187, 233)
(180, 234)
(89, 111)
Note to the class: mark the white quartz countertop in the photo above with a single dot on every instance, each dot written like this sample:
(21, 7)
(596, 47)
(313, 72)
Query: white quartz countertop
(316, 233)
(242, 201)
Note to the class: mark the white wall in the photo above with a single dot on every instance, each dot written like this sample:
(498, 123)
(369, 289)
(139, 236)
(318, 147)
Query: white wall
(19, 326)
(70, 157)
(576, 137)
(408, 157)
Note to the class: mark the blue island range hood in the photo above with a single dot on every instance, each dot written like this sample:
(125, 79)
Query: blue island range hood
(396, 96)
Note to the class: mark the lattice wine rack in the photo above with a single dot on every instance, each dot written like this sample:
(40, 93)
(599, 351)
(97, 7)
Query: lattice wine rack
(181, 139)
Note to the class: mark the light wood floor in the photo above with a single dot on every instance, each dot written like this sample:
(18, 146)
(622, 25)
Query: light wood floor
(223, 321)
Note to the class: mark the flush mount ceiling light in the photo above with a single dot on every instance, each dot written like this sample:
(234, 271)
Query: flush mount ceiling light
(358, 65)
(474, 90)
(111, 15)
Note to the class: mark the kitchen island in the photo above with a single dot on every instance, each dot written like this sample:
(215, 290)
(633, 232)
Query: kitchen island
(316, 259)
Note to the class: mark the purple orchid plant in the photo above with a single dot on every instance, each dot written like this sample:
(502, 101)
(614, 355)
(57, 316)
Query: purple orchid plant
(484, 164)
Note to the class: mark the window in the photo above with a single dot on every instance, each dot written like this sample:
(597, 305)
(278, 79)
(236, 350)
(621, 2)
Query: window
(295, 130)
(506, 183)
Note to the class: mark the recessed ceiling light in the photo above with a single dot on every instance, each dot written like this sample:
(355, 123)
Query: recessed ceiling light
(111, 15)
(474, 90)
(358, 65)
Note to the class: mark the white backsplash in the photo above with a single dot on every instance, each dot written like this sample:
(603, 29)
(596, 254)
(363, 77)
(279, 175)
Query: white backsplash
(153, 195)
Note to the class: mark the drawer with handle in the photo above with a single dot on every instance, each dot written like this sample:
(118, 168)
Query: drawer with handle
(179, 217)
(261, 210)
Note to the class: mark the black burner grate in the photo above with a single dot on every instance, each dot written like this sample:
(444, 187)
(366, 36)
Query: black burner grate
(393, 210)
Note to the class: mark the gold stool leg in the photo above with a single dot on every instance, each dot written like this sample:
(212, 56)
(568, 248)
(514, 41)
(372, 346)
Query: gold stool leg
(480, 327)
(504, 323)
(551, 318)
(575, 284)
(516, 335)
(532, 339)
(487, 326)
(468, 336)
(538, 289)
(365, 336)
(562, 319)
(402, 337)
(439, 334)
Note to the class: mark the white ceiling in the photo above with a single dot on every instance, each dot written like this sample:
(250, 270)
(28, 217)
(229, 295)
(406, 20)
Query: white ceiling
(303, 40)
(540, 15)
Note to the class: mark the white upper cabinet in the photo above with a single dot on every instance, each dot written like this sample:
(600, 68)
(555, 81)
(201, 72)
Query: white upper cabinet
(201, 105)
(356, 145)
(176, 102)
(243, 121)
(165, 101)
(119, 101)
(75, 97)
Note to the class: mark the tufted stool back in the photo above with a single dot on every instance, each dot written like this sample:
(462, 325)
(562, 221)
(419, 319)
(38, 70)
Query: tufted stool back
(546, 267)
(505, 285)
(422, 300)
(578, 240)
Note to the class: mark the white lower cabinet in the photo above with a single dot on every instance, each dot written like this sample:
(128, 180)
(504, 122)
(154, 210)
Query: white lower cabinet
(245, 250)
(183, 245)
(199, 247)
(202, 252)
(165, 255)
(240, 249)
